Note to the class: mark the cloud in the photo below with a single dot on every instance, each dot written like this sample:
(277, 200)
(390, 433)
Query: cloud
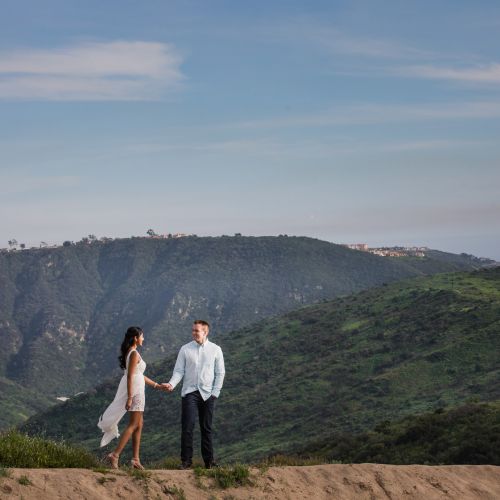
(15, 185)
(486, 73)
(118, 70)
(366, 114)
(356, 55)
(430, 145)
(242, 146)
(297, 149)
(334, 40)
(341, 43)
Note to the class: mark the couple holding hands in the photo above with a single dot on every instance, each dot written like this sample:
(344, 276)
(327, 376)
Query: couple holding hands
(200, 363)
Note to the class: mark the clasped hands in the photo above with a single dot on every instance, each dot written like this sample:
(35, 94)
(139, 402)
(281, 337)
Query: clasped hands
(166, 387)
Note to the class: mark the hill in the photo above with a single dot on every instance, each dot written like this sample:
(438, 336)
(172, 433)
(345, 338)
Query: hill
(19, 402)
(68, 307)
(338, 367)
(468, 434)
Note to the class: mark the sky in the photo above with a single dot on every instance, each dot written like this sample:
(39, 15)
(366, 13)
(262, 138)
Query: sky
(350, 121)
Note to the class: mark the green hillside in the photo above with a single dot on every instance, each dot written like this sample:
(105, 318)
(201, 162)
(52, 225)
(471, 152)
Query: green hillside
(68, 307)
(18, 402)
(468, 434)
(338, 367)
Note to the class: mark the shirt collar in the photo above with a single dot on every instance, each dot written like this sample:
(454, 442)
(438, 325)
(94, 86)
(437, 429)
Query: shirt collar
(201, 345)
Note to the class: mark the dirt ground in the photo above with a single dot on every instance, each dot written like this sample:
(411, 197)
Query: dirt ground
(356, 481)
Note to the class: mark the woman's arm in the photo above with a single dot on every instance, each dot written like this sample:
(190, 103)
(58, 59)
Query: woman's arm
(132, 364)
(149, 382)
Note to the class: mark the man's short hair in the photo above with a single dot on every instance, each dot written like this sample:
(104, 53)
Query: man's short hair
(201, 322)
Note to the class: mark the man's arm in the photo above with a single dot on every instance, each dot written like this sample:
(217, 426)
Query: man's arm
(219, 371)
(179, 370)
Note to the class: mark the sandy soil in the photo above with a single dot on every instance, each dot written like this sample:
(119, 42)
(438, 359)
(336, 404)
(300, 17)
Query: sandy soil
(358, 481)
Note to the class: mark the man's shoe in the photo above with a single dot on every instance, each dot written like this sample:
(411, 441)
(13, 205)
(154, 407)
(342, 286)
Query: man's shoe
(211, 465)
(184, 466)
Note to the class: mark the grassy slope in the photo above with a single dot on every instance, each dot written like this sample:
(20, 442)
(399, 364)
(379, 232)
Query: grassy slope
(341, 366)
(20, 450)
(68, 307)
(468, 434)
(18, 402)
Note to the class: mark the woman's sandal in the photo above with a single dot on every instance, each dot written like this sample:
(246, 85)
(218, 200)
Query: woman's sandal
(113, 460)
(136, 464)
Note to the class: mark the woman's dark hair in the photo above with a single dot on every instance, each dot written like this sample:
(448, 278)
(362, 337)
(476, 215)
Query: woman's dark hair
(133, 332)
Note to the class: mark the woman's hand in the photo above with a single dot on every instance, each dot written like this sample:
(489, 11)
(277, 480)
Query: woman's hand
(129, 404)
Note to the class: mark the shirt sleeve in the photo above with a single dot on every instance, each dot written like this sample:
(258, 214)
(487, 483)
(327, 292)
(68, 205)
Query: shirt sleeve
(219, 373)
(179, 368)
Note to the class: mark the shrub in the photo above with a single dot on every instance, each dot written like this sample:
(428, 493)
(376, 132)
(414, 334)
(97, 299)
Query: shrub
(227, 477)
(105, 479)
(24, 480)
(140, 475)
(176, 492)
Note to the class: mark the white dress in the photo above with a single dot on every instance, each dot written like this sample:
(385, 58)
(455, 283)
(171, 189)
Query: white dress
(108, 422)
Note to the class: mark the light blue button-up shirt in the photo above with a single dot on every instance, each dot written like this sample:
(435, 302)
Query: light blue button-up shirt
(202, 367)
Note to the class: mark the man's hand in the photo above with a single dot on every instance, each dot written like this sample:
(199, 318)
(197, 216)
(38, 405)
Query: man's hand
(166, 387)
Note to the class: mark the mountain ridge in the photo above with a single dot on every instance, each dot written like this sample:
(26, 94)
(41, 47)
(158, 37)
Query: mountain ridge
(344, 365)
(68, 307)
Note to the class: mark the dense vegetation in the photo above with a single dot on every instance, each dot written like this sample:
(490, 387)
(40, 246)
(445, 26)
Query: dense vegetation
(469, 434)
(63, 311)
(18, 402)
(336, 367)
(20, 450)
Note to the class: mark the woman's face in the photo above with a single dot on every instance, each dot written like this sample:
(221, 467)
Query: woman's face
(139, 339)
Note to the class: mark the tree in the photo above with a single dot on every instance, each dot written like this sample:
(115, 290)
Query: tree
(12, 243)
(67, 243)
(23, 246)
(92, 237)
(150, 232)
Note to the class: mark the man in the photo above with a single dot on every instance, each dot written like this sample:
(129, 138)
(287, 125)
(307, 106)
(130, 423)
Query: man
(201, 363)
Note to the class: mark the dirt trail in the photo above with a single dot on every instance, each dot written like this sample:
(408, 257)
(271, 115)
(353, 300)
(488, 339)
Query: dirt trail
(356, 482)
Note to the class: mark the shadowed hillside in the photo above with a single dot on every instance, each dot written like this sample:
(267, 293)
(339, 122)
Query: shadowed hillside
(468, 434)
(63, 311)
(342, 366)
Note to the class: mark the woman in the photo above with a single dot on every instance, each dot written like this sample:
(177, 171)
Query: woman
(129, 397)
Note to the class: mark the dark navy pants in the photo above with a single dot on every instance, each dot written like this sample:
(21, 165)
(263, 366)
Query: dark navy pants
(193, 403)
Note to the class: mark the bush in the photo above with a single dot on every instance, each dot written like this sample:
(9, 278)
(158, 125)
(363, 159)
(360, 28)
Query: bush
(24, 480)
(139, 474)
(20, 450)
(227, 477)
(177, 493)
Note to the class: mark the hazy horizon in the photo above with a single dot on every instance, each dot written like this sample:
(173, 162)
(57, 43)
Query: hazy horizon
(159, 233)
(373, 122)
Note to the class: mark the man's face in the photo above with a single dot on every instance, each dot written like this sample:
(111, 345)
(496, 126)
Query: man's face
(199, 333)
